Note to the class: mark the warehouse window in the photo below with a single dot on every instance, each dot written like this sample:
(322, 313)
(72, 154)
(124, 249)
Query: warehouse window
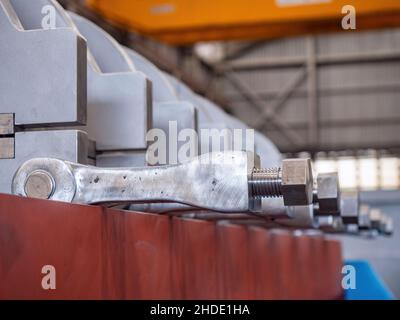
(390, 173)
(363, 173)
(347, 169)
(368, 173)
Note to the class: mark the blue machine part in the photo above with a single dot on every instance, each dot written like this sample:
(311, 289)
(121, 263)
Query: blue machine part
(369, 286)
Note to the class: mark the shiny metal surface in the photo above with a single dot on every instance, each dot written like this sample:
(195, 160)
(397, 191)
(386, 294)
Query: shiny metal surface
(330, 224)
(297, 182)
(302, 217)
(109, 56)
(350, 204)
(39, 184)
(222, 183)
(266, 181)
(364, 221)
(328, 194)
(53, 58)
(7, 148)
(174, 118)
(119, 105)
(6, 124)
(218, 182)
(70, 145)
(163, 91)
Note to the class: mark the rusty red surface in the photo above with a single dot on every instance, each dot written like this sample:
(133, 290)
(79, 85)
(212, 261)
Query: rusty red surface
(319, 263)
(35, 233)
(283, 249)
(146, 255)
(103, 253)
(263, 266)
(97, 253)
(333, 250)
(306, 267)
(195, 259)
(235, 275)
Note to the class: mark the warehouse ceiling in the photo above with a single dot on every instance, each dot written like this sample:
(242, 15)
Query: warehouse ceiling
(332, 92)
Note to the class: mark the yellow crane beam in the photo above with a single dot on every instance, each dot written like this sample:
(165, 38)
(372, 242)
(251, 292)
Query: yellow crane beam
(189, 21)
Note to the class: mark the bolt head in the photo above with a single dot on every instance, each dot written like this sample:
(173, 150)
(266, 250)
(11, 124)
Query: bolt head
(325, 222)
(364, 222)
(381, 223)
(330, 223)
(301, 217)
(375, 216)
(387, 226)
(350, 208)
(297, 182)
(39, 184)
(328, 194)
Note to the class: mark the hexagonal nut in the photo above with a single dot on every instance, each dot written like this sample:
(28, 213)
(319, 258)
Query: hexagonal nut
(325, 223)
(297, 182)
(387, 226)
(350, 208)
(330, 224)
(364, 222)
(302, 217)
(375, 216)
(328, 193)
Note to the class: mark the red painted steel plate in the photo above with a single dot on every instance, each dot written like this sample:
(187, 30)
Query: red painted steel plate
(236, 277)
(101, 253)
(195, 259)
(263, 264)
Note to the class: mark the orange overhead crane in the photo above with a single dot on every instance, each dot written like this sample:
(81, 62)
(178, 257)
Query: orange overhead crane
(189, 21)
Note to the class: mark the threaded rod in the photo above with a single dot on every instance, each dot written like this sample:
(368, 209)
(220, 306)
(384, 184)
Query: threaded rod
(266, 183)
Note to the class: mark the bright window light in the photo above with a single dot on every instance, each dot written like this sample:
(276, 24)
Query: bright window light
(389, 173)
(347, 168)
(368, 171)
(365, 173)
(325, 166)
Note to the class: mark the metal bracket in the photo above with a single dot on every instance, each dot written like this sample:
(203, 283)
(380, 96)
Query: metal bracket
(217, 181)
(42, 80)
(7, 136)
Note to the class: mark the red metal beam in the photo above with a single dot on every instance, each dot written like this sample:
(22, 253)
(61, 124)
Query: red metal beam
(101, 253)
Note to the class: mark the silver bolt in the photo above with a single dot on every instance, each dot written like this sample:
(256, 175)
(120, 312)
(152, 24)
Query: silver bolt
(40, 185)
(293, 181)
(266, 183)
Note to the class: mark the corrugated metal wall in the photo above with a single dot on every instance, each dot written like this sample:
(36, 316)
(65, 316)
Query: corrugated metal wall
(358, 89)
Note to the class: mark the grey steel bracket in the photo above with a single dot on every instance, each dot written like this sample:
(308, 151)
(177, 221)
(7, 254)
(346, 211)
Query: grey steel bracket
(42, 79)
(119, 98)
(221, 181)
(218, 182)
(163, 91)
(71, 145)
(42, 87)
(210, 116)
(167, 108)
(7, 136)
(179, 113)
(6, 124)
